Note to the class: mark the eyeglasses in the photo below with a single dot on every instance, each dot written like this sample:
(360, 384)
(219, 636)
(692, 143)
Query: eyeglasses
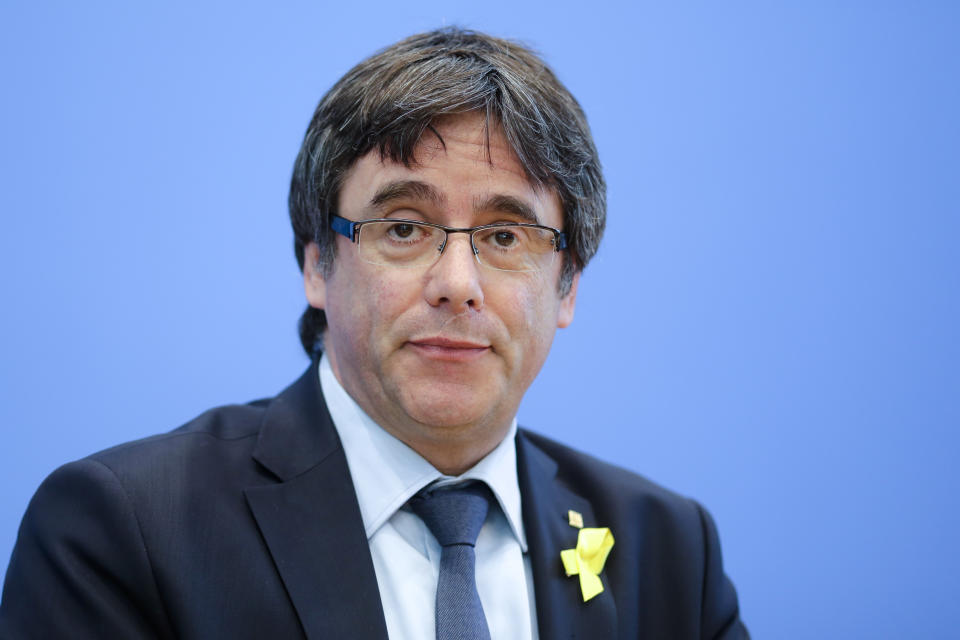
(412, 243)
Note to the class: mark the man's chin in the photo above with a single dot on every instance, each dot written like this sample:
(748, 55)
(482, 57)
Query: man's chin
(450, 406)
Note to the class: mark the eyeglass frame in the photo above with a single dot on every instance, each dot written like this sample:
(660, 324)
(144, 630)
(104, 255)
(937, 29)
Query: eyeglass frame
(351, 230)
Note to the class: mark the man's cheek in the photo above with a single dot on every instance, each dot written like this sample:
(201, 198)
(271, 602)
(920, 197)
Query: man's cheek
(526, 303)
(388, 299)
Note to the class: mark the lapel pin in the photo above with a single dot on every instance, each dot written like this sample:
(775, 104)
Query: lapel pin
(588, 558)
(575, 518)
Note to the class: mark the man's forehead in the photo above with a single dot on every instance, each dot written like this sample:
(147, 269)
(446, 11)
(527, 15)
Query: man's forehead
(377, 184)
(484, 135)
(460, 165)
(417, 191)
(472, 135)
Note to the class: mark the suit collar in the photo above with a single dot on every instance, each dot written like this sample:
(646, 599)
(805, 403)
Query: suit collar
(296, 433)
(311, 521)
(561, 611)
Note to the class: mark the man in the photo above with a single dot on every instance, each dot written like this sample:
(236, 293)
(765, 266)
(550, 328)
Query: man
(445, 200)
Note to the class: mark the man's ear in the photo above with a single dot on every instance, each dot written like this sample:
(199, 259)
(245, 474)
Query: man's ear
(567, 304)
(314, 284)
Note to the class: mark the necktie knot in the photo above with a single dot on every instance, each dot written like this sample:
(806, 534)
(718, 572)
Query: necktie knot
(453, 515)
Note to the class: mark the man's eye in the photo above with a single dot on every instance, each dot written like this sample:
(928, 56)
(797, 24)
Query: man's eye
(402, 231)
(505, 239)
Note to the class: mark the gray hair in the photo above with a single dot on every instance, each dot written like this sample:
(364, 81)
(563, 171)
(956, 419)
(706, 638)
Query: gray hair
(387, 102)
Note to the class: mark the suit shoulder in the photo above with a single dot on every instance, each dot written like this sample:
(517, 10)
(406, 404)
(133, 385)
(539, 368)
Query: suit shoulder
(588, 474)
(230, 426)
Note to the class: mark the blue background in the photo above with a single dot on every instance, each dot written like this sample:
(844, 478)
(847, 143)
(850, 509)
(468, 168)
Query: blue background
(770, 325)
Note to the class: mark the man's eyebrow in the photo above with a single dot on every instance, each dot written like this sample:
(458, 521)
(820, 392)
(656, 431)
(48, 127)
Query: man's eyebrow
(507, 204)
(407, 190)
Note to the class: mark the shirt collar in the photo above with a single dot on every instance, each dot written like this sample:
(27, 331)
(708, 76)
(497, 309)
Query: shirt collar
(386, 472)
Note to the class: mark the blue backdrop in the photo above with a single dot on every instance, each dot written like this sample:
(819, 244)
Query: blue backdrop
(770, 325)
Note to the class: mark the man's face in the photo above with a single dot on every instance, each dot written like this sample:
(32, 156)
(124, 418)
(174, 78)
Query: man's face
(441, 355)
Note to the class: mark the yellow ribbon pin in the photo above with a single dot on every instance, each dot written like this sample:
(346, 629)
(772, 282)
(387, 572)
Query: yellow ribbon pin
(587, 560)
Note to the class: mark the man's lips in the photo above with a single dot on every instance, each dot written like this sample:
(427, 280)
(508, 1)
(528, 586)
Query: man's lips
(448, 349)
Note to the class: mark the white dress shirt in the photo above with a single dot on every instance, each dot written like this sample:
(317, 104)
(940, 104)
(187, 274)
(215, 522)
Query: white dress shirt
(386, 473)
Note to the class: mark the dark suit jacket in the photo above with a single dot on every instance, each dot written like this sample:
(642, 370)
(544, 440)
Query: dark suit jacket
(244, 524)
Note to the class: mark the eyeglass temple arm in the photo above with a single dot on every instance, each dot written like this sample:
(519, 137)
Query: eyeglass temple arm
(344, 227)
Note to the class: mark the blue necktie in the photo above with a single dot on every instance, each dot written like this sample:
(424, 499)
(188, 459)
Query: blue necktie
(455, 516)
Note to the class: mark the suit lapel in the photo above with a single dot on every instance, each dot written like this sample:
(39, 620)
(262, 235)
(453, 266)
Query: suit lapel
(561, 611)
(311, 521)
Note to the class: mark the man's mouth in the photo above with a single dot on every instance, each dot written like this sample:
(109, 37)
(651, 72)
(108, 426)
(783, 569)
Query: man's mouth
(449, 349)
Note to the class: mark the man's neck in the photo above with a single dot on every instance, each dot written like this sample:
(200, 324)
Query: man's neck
(450, 448)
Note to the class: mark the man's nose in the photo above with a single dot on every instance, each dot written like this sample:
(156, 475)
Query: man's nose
(454, 279)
